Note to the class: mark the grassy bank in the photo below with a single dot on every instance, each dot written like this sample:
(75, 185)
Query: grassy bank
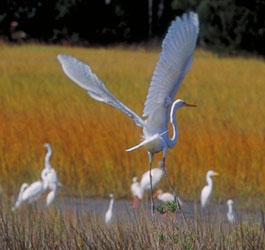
(28, 228)
(40, 104)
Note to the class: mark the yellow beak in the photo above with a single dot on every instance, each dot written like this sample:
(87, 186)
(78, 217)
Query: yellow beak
(215, 174)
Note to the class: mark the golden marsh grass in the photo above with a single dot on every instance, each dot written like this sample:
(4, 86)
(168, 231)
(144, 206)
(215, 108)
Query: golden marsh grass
(40, 104)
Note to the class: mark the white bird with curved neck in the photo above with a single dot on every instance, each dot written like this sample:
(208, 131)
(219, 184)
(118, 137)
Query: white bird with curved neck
(207, 190)
(159, 109)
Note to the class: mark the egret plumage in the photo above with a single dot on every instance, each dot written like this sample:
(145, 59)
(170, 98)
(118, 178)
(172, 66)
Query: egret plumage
(47, 156)
(51, 196)
(159, 108)
(49, 180)
(108, 215)
(136, 192)
(230, 214)
(166, 197)
(50, 176)
(52, 182)
(156, 173)
(30, 193)
(207, 190)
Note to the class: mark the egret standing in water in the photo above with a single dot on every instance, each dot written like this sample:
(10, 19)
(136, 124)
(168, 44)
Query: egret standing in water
(207, 190)
(230, 214)
(159, 108)
(108, 215)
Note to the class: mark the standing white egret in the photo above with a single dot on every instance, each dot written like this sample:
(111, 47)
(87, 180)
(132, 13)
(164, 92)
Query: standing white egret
(159, 109)
(49, 172)
(165, 197)
(230, 214)
(207, 190)
(136, 192)
(30, 193)
(108, 215)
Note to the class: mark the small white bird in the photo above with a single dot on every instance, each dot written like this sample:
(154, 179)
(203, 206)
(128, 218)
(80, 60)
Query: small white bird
(206, 191)
(230, 213)
(165, 197)
(108, 215)
(136, 192)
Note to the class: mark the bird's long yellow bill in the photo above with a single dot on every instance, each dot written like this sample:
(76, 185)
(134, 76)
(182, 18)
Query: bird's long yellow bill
(216, 174)
(190, 105)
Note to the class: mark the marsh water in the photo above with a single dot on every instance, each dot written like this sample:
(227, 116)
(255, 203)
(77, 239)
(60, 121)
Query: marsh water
(122, 209)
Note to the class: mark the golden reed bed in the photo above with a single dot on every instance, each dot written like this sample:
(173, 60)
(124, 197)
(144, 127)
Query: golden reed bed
(40, 104)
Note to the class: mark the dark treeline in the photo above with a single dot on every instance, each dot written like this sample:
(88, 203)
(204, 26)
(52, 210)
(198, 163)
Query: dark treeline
(228, 26)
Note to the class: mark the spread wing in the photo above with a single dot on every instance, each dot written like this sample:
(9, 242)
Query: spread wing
(82, 75)
(174, 62)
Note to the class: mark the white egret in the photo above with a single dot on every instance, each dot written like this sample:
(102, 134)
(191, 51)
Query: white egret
(49, 172)
(165, 197)
(136, 192)
(108, 215)
(207, 190)
(230, 214)
(159, 109)
(30, 193)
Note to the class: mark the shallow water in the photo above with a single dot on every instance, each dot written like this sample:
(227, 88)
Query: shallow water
(122, 209)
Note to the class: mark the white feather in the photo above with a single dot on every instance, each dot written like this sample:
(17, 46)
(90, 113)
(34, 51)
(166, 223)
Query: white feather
(175, 61)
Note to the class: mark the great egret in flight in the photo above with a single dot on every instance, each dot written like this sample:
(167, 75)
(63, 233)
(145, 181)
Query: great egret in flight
(108, 215)
(207, 190)
(230, 214)
(159, 108)
(136, 192)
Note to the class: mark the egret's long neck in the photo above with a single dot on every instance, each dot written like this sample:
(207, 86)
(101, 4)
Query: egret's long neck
(173, 140)
(43, 174)
(47, 158)
(209, 181)
(111, 204)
